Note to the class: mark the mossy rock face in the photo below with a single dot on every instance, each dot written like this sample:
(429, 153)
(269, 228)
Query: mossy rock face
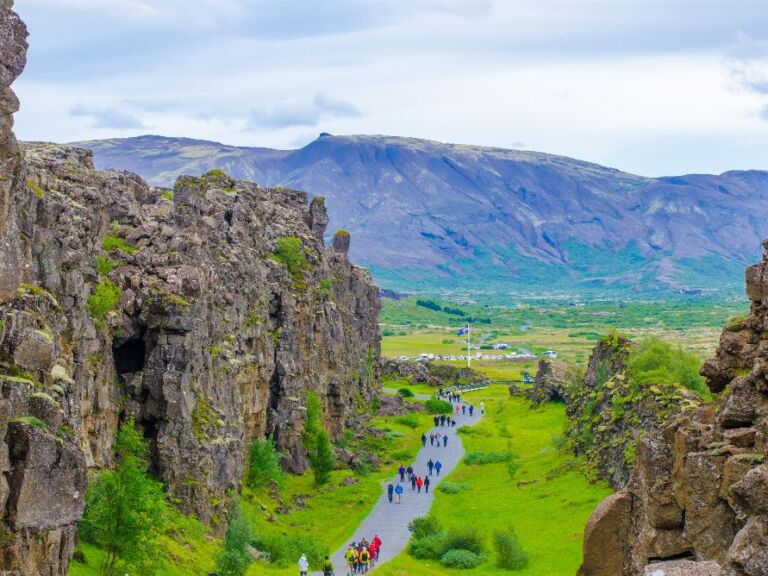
(341, 241)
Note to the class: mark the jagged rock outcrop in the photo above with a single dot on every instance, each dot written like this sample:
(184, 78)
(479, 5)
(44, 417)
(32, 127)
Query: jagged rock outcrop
(551, 384)
(206, 312)
(609, 410)
(431, 373)
(699, 488)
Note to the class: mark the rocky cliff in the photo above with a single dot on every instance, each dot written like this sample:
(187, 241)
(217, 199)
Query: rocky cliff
(609, 409)
(206, 312)
(699, 488)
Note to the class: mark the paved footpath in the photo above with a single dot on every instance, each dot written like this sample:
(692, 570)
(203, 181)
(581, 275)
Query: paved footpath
(390, 521)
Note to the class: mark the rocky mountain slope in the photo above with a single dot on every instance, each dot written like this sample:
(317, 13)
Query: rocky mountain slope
(428, 215)
(699, 488)
(206, 312)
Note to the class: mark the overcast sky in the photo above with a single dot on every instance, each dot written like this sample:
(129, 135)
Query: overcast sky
(652, 87)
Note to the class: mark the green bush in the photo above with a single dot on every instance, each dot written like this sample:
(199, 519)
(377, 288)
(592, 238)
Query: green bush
(321, 459)
(234, 558)
(461, 559)
(429, 547)
(409, 420)
(653, 361)
(405, 393)
(290, 251)
(104, 299)
(435, 406)
(509, 553)
(423, 526)
(482, 458)
(453, 487)
(104, 265)
(464, 538)
(114, 242)
(263, 464)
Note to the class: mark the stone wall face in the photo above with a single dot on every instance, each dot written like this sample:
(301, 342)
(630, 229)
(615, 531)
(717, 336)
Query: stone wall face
(699, 488)
(211, 341)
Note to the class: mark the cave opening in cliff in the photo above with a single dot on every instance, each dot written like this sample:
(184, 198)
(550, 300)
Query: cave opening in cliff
(129, 356)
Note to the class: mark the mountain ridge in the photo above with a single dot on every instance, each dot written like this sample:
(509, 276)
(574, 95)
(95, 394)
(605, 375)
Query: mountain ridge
(427, 215)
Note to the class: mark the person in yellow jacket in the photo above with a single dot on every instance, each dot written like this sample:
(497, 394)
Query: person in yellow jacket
(365, 558)
(351, 558)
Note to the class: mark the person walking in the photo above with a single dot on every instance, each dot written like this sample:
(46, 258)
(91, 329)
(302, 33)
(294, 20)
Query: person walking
(327, 567)
(350, 556)
(471, 410)
(390, 492)
(419, 484)
(410, 471)
(303, 565)
(423, 439)
(426, 485)
(399, 492)
(430, 465)
(431, 439)
(482, 407)
(401, 471)
(463, 409)
(442, 419)
(445, 440)
(365, 557)
(413, 481)
(457, 409)
(436, 420)
(438, 466)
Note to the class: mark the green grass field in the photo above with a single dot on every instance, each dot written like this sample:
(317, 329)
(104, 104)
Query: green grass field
(547, 503)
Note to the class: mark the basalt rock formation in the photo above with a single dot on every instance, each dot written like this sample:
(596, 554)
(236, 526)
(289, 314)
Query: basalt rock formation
(205, 312)
(430, 373)
(699, 488)
(551, 384)
(609, 409)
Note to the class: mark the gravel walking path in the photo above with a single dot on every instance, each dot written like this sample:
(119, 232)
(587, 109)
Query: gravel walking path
(390, 521)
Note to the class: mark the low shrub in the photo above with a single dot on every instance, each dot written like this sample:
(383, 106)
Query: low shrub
(453, 487)
(435, 406)
(429, 547)
(461, 559)
(283, 549)
(405, 393)
(104, 299)
(409, 420)
(509, 553)
(482, 458)
(465, 538)
(423, 526)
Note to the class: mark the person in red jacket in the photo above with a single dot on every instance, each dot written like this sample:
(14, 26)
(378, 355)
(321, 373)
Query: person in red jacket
(377, 541)
(419, 483)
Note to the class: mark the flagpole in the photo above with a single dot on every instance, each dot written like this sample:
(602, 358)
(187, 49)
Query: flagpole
(468, 345)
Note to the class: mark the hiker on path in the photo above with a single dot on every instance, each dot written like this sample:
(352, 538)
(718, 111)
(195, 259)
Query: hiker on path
(457, 409)
(471, 410)
(445, 440)
(426, 485)
(410, 471)
(431, 439)
(463, 409)
(436, 420)
(430, 465)
(419, 483)
(423, 439)
(438, 465)
(365, 557)
(303, 565)
(390, 492)
(327, 567)
(442, 420)
(350, 556)
(399, 492)
(482, 407)
(413, 481)
(401, 471)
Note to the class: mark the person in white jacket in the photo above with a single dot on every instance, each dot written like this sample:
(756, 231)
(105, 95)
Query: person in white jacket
(303, 565)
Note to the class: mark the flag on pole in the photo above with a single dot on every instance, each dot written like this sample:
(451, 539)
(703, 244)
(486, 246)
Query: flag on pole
(464, 330)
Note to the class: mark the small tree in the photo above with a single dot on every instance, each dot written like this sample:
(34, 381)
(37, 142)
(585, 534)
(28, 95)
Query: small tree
(125, 508)
(234, 559)
(321, 458)
(509, 553)
(263, 464)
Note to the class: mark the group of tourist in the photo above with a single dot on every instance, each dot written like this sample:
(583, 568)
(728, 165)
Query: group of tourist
(361, 556)
(443, 420)
(435, 438)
